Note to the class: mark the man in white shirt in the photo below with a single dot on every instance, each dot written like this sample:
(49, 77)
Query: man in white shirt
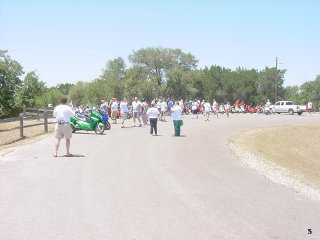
(124, 111)
(164, 108)
(63, 113)
(114, 110)
(227, 109)
(153, 114)
(194, 108)
(207, 109)
(176, 115)
(136, 107)
(309, 107)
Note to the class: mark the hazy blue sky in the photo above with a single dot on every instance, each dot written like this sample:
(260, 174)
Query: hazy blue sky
(70, 41)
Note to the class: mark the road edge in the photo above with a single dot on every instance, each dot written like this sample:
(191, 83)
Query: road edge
(273, 172)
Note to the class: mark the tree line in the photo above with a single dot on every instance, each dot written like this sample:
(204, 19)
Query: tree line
(153, 73)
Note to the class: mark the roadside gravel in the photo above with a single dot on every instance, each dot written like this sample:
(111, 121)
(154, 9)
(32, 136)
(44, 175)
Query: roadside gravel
(275, 173)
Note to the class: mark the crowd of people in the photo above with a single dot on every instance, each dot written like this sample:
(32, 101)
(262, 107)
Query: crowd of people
(137, 110)
(144, 112)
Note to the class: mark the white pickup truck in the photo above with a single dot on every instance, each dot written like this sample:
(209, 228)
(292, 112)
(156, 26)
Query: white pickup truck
(288, 107)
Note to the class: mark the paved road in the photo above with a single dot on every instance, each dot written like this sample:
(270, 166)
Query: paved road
(130, 185)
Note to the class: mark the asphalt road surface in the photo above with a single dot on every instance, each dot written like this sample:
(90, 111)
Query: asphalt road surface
(130, 185)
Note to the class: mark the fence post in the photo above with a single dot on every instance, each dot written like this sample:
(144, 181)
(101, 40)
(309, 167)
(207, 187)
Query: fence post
(21, 125)
(45, 113)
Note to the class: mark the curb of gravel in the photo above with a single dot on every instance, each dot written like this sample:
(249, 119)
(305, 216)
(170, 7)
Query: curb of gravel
(275, 173)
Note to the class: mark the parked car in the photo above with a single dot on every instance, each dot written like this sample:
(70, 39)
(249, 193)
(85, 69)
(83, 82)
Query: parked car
(287, 107)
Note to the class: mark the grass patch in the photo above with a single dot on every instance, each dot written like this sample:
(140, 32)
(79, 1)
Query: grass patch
(292, 147)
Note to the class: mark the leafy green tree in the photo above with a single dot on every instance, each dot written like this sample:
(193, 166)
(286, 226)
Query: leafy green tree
(246, 89)
(50, 96)
(64, 88)
(113, 77)
(310, 91)
(78, 94)
(155, 61)
(269, 82)
(293, 93)
(10, 73)
(158, 61)
(181, 84)
(136, 84)
(30, 89)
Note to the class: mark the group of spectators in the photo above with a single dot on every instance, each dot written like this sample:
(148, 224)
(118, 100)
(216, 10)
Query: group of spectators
(142, 112)
(138, 108)
(151, 113)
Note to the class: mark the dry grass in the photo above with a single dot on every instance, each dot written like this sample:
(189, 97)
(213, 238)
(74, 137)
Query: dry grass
(12, 138)
(292, 147)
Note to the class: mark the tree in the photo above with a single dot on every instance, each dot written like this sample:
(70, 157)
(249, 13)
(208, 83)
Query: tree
(113, 77)
(181, 83)
(64, 88)
(78, 94)
(310, 91)
(30, 89)
(269, 80)
(50, 96)
(293, 93)
(10, 73)
(158, 61)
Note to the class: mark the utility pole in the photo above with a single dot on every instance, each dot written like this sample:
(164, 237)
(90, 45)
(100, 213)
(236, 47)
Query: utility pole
(276, 82)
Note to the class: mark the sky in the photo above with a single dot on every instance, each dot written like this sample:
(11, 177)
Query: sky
(67, 41)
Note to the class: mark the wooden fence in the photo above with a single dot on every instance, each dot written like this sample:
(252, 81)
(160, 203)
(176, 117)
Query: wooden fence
(30, 113)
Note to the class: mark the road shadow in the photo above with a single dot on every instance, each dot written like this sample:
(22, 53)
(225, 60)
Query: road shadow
(88, 133)
(72, 155)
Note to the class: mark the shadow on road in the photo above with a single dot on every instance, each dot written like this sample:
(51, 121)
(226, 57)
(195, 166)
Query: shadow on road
(72, 155)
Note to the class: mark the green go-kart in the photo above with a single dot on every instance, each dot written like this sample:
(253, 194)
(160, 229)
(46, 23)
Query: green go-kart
(93, 122)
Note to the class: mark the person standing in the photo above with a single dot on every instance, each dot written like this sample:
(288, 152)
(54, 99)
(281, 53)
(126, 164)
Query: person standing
(104, 106)
(114, 110)
(228, 109)
(309, 107)
(194, 108)
(215, 108)
(124, 111)
(158, 106)
(170, 103)
(153, 114)
(144, 107)
(164, 108)
(63, 113)
(136, 107)
(207, 109)
(176, 114)
(181, 104)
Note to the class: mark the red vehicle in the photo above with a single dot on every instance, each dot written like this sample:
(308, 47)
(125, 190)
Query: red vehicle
(250, 109)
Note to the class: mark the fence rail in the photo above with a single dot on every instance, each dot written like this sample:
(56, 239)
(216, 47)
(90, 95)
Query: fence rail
(27, 114)
(6, 120)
